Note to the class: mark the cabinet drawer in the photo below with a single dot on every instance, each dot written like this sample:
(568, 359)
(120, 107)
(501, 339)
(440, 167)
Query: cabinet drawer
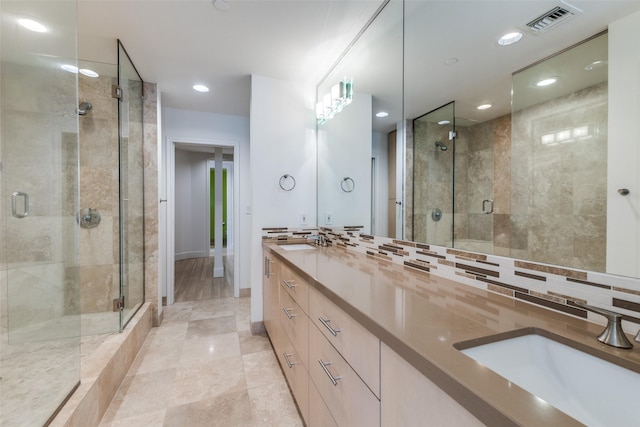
(295, 286)
(319, 414)
(296, 374)
(294, 323)
(357, 345)
(347, 397)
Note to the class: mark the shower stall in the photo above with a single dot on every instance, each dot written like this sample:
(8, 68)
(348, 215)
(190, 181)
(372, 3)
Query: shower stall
(452, 181)
(71, 236)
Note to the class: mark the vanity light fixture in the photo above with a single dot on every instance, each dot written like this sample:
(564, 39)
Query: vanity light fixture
(32, 25)
(200, 88)
(340, 96)
(546, 82)
(382, 114)
(443, 122)
(484, 106)
(87, 72)
(510, 38)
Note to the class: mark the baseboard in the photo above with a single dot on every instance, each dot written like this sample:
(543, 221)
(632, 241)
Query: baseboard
(194, 254)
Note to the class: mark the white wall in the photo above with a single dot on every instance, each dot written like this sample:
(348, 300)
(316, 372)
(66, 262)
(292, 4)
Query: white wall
(282, 142)
(380, 151)
(344, 150)
(191, 208)
(623, 212)
(196, 125)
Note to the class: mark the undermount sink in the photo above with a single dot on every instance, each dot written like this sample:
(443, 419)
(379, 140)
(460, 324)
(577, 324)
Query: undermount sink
(297, 247)
(591, 390)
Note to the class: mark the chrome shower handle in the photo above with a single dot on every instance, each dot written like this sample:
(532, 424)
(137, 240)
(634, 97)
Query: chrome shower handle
(25, 204)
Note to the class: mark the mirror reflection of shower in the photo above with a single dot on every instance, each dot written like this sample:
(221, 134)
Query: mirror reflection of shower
(441, 145)
(84, 108)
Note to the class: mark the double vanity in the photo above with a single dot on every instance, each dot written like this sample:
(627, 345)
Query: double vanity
(366, 342)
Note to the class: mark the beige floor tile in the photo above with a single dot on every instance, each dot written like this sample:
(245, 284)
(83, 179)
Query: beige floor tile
(200, 350)
(213, 308)
(273, 405)
(150, 419)
(200, 381)
(208, 327)
(253, 343)
(141, 394)
(178, 312)
(229, 410)
(261, 369)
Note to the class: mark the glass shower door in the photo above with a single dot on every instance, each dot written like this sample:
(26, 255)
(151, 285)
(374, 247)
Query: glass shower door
(39, 285)
(433, 177)
(130, 132)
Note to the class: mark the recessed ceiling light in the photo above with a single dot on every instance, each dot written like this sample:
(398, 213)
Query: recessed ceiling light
(444, 122)
(70, 68)
(509, 38)
(484, 106)
(221, 5)
(87, 72)
(450, 61)
(595, 65)
(547, 81)
(201, 88)
(32, 25)
(382, 114)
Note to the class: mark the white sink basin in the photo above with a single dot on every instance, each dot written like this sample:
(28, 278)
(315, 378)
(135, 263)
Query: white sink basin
(297, 247)
(589, 389)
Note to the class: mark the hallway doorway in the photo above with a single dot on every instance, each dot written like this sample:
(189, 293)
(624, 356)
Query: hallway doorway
(190, 228)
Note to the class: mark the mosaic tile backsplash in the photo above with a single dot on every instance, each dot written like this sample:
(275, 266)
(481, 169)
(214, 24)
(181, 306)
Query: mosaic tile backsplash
(553, 287)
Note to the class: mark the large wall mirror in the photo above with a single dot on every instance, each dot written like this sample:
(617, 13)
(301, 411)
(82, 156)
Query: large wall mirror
(353, 139)
(538, 175)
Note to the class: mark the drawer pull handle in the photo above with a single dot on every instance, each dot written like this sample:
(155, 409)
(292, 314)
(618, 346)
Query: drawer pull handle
(289, 362)
(324, 365)
(289, 284)
(287, 311)
(325, 322)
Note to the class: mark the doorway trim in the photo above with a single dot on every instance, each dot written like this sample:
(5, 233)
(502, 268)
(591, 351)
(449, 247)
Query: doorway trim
(171, 175)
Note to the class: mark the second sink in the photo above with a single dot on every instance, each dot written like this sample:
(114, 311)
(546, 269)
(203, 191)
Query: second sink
(591, 390)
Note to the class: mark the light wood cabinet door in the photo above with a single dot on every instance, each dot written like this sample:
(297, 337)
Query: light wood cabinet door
(357, 345)
(349, 400)
(296, 374)
(410, 399)
(319, 414)
(294, 323)
(270, 302)
(295, 286)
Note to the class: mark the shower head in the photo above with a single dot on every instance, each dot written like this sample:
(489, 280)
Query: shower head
(441, 145)
(84, 108)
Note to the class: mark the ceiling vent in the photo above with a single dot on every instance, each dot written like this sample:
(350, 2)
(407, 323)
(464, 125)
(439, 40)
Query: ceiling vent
(550, 19)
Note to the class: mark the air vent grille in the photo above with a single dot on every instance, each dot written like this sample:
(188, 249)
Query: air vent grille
(550, 19)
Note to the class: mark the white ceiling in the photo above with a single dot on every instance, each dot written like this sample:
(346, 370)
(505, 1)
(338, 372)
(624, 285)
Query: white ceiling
(178, 43)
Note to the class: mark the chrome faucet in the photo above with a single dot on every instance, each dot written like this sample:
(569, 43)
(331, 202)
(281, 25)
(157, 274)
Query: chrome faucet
(613, 334)
(319, 239)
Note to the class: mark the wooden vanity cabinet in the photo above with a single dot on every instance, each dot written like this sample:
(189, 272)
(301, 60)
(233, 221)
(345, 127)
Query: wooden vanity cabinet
(410, 398)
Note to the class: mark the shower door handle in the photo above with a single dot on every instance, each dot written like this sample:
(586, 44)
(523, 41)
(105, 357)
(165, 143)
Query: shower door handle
(486, 202)
(25, 204)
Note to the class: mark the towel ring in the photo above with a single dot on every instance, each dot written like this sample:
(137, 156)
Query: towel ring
(287, 182)
(347, 184)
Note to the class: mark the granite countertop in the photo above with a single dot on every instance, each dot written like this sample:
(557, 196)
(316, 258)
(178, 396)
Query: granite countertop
(421, 316)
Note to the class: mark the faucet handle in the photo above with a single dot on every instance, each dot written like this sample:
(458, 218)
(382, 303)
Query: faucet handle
(613, 334)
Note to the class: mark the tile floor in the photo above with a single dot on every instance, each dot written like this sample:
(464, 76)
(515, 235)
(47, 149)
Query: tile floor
(202, 367)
